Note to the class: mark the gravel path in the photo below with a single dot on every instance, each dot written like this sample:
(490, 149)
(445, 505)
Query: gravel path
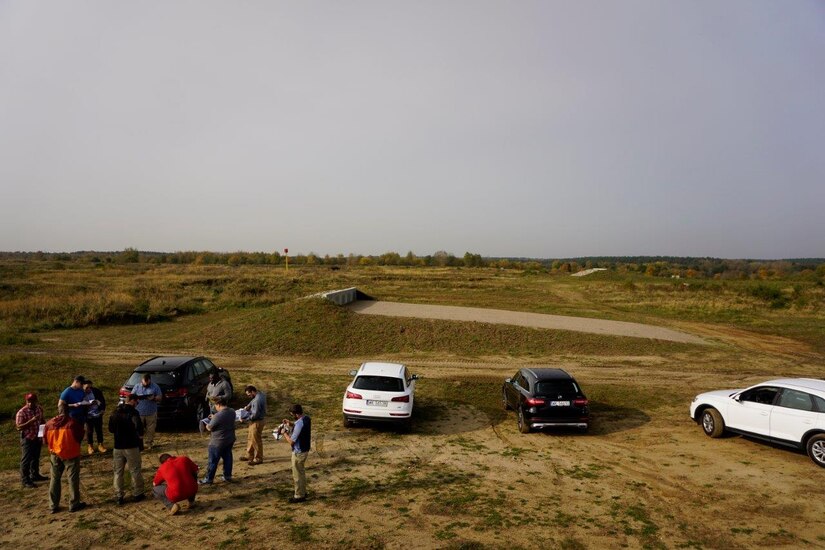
(535, 320)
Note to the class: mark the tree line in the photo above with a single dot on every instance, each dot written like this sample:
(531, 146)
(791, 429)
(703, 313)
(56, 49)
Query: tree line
(651, 266)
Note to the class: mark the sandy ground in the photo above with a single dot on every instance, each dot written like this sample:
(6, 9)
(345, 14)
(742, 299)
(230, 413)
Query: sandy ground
(640, 478)
(520, 318)
(643, 477)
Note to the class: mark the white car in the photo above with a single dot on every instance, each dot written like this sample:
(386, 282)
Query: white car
(380, 392)
(788, 411)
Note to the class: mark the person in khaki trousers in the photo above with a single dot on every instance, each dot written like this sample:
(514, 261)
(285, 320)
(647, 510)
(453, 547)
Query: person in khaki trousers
(149, 395)
(126, 425)
(257, 412)
(299, 439)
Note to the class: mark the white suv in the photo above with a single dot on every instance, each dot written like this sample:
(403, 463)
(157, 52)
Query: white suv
(382, 392)
(788, 411)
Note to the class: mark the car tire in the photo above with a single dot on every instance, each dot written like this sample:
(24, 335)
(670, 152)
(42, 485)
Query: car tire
(816, 449)
(199, 412)
(347, 422)
(523, 426)
(712, 423)
(504, 402)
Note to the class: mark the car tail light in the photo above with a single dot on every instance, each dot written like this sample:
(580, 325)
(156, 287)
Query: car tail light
(580, 402)
(124, 392)
(353, 395)
(402, 399)
(180, 392)
(534, 401)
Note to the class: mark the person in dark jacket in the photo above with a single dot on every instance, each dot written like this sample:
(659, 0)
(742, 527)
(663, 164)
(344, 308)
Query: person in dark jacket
(126, 425)
(94, 416)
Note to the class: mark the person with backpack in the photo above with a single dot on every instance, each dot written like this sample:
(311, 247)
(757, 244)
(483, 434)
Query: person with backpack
(127, 428)
(63, 435)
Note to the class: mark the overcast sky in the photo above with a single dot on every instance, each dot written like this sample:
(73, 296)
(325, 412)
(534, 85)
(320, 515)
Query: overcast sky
(538, 129)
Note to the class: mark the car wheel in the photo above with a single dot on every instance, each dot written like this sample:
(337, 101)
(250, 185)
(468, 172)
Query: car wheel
(347, 422)
(523, 426)
(200, 412)
(816, 449)
(504, 402)
(712, 423)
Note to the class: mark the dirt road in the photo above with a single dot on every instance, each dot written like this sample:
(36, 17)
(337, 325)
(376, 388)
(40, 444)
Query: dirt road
(520, 318)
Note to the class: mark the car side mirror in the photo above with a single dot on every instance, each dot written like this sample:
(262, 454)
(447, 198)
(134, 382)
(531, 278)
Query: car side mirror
(415, 377)
(353, 372)
(508, 380)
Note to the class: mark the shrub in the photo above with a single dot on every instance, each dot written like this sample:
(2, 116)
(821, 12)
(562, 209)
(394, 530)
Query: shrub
(770, 294)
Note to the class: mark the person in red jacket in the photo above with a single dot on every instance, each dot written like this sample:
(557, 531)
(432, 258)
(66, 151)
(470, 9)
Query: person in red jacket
(63, 435)
(176, 481)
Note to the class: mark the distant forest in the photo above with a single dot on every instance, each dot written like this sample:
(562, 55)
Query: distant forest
(652, 266)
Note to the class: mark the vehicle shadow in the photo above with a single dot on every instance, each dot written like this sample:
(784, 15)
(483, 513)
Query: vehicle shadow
(768, 444)
(608, 419)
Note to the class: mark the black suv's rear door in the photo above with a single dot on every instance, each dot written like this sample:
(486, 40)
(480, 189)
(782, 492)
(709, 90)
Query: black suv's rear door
(559, 399)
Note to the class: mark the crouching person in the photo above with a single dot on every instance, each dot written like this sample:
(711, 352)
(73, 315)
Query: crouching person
(176, 481)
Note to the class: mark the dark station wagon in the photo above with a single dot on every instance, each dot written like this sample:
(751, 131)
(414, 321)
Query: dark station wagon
(546, 398)
(183, 381)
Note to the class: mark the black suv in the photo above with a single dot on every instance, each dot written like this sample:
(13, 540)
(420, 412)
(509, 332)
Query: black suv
(546, 398)
(183, 381)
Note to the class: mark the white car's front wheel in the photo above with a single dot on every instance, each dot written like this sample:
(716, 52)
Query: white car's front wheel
(816, 449)
(712, 423)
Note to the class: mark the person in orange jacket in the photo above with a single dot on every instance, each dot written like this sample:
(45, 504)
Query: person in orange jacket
(63, 435)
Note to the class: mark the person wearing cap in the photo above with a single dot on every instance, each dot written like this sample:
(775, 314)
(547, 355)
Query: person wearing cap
(28, 421)
(94, 416)
(63, 434)
(299, 439)
(127, 428)
(221, 439)
(73, 397)
(149, 395)
(257, 412)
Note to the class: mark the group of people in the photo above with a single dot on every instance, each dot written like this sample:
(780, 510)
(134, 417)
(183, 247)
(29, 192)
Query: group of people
(132, 424)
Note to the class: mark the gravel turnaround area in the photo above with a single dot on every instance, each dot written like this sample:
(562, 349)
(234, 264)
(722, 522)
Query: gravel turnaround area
(535, 320)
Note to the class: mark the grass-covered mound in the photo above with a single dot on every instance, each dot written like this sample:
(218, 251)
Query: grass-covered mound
(315, 327)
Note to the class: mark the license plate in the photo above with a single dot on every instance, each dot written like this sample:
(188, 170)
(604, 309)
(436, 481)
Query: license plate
(560, 403)
(373, 403)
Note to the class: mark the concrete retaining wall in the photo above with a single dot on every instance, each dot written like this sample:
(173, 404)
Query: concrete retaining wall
(342, 297)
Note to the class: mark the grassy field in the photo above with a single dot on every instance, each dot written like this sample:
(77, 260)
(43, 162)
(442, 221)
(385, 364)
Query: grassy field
(37, 296)
(464, 478)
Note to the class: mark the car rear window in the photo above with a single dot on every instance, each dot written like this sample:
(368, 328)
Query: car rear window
(563, 387)
(378, 383)
(167, 378)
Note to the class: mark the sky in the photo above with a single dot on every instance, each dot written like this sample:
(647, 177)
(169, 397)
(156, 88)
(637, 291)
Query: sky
(542, 129)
